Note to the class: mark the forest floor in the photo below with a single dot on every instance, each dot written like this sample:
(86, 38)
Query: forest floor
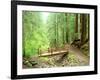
(75, 57)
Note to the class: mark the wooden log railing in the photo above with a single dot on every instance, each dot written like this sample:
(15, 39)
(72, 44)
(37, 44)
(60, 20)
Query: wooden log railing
(54, 51)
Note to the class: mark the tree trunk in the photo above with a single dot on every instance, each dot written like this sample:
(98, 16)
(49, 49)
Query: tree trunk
(67, 28)
(83, 28)
(63, 36)
(76, 26)
(79, 25)
(23, 41)
(88, 18)
(55, 33)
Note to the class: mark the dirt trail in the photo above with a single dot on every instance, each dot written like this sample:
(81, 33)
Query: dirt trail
(78, 53)
(79, 59)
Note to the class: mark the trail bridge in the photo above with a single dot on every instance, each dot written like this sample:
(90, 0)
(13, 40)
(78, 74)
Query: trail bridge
(54, 53)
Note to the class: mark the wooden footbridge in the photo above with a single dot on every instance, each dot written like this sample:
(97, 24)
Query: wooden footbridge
(55, 52)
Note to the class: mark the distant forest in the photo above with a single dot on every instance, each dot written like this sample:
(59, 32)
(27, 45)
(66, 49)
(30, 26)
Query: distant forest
(53, 32)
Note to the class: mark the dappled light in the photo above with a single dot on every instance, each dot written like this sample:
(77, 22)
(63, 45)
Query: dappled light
(44, 16)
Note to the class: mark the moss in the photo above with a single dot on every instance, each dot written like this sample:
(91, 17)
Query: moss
(27, 63)
(44, 58)
(72, 59)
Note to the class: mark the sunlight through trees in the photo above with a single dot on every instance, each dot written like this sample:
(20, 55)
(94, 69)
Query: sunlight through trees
(48, 30)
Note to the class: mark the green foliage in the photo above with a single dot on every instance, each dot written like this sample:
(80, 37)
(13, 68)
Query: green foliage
(44, 58)
(34, 33)
(71, 23)
(56, 27)
(55, 32)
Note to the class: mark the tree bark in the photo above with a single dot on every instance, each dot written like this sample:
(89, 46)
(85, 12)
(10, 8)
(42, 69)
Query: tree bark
(76, 26)
(67, 36)
(83, 28)
(88, 24)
